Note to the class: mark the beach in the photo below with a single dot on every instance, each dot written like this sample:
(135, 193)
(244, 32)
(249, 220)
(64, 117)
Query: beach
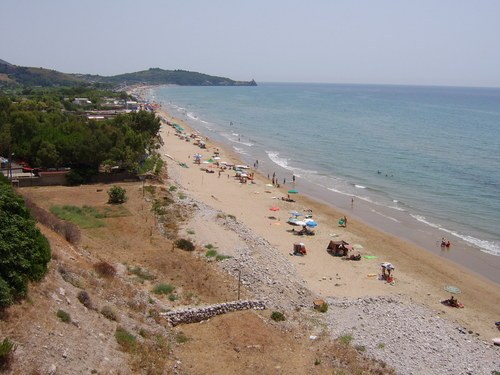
(419, 276)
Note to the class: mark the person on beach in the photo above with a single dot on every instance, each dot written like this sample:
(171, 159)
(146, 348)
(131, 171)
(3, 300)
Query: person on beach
(345, 222)
(352, 202)
(293, 178)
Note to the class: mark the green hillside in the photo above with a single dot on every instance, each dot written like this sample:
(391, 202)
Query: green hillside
(157, 76)
(27, 76)
(13, 74)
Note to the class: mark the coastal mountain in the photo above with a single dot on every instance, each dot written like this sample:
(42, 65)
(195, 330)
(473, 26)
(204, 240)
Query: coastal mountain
(28, 76)
(157, 76)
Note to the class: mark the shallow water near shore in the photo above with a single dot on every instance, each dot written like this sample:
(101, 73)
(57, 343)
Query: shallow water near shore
(421, 163)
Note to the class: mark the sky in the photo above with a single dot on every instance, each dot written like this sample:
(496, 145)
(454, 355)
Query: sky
(416, 42)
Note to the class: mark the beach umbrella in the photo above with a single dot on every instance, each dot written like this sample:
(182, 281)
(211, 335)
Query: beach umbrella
(274, 208)
(292, 220)
(217, 158)
(311, 224)
(301, 223)
(293, 191)
(452, 289)
(269, 185)
(210, 160)
(295, 213)
(387, 266)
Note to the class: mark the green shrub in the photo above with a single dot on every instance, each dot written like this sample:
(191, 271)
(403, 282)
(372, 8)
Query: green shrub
(220, 257)
(345, 339)
(117, 195)
(278, 316)
(210, 246)
(64, 316)
(140, 273)
(360, 348)
(181, 338)
(323, 308)
(184, 244)
(7, 347)
(125, 339)
(211, 253)
(381, 345)
(172, 188)
(109, 313)
(24, 251)
(163, 289)
(173, 297)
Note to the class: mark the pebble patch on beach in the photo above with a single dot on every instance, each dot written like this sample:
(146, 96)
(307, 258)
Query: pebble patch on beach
(411, 338)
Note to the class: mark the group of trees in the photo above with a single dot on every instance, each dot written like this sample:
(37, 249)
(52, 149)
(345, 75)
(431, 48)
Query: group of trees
(24, 251)
(40, 133)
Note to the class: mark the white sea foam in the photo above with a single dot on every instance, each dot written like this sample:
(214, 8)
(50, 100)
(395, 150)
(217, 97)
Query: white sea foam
(359, 186)
(384, 215)
(484, 245)
(192, 116)
(274, 156)
(239, 150)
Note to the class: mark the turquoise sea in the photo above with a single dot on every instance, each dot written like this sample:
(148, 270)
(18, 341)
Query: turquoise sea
(420, 162)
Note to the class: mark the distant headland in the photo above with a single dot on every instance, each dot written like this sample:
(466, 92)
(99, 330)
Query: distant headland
(20, 75)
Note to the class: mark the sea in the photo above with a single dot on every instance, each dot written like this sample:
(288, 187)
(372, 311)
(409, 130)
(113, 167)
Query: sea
(418, 162)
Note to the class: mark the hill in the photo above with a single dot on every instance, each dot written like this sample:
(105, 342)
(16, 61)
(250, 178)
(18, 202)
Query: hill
(29, 76)
(157, 76)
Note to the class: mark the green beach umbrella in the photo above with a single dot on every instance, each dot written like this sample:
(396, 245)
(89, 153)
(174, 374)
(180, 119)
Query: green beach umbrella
(293, 191)
(452, 289)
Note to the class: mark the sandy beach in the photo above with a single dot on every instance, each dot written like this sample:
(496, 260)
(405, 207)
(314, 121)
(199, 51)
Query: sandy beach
(419, 275)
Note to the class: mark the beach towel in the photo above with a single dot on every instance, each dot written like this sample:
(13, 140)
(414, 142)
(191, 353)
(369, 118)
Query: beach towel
(370, 256)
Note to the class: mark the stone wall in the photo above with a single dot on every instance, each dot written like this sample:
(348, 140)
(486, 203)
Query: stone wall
(194, 315)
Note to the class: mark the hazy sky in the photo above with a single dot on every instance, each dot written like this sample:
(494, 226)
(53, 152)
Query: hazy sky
(426, 42)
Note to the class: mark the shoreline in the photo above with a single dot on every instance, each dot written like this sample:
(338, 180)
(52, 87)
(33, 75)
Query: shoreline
(403, 224)
(420, 274)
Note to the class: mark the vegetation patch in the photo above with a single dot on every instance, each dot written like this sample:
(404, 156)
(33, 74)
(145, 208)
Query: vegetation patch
(24, 251)
(181, 338)
(85, 217)
(163, 289)
(117, 195)
(125, 339)
(142, 274)
(7, 348)
(64, 316)
(278, 316)
(184, 244)
(109, 313)
(211, 253)
(345, 339)
(104, 269)
(84, 299)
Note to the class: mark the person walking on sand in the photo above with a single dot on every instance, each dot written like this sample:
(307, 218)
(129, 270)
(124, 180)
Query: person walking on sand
(345, 222)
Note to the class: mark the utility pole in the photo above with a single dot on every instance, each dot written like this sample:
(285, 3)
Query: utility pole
(239, 282)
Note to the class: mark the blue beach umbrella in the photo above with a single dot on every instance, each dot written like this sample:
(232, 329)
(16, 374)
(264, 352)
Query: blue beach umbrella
(293, 191)
(312, 224)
